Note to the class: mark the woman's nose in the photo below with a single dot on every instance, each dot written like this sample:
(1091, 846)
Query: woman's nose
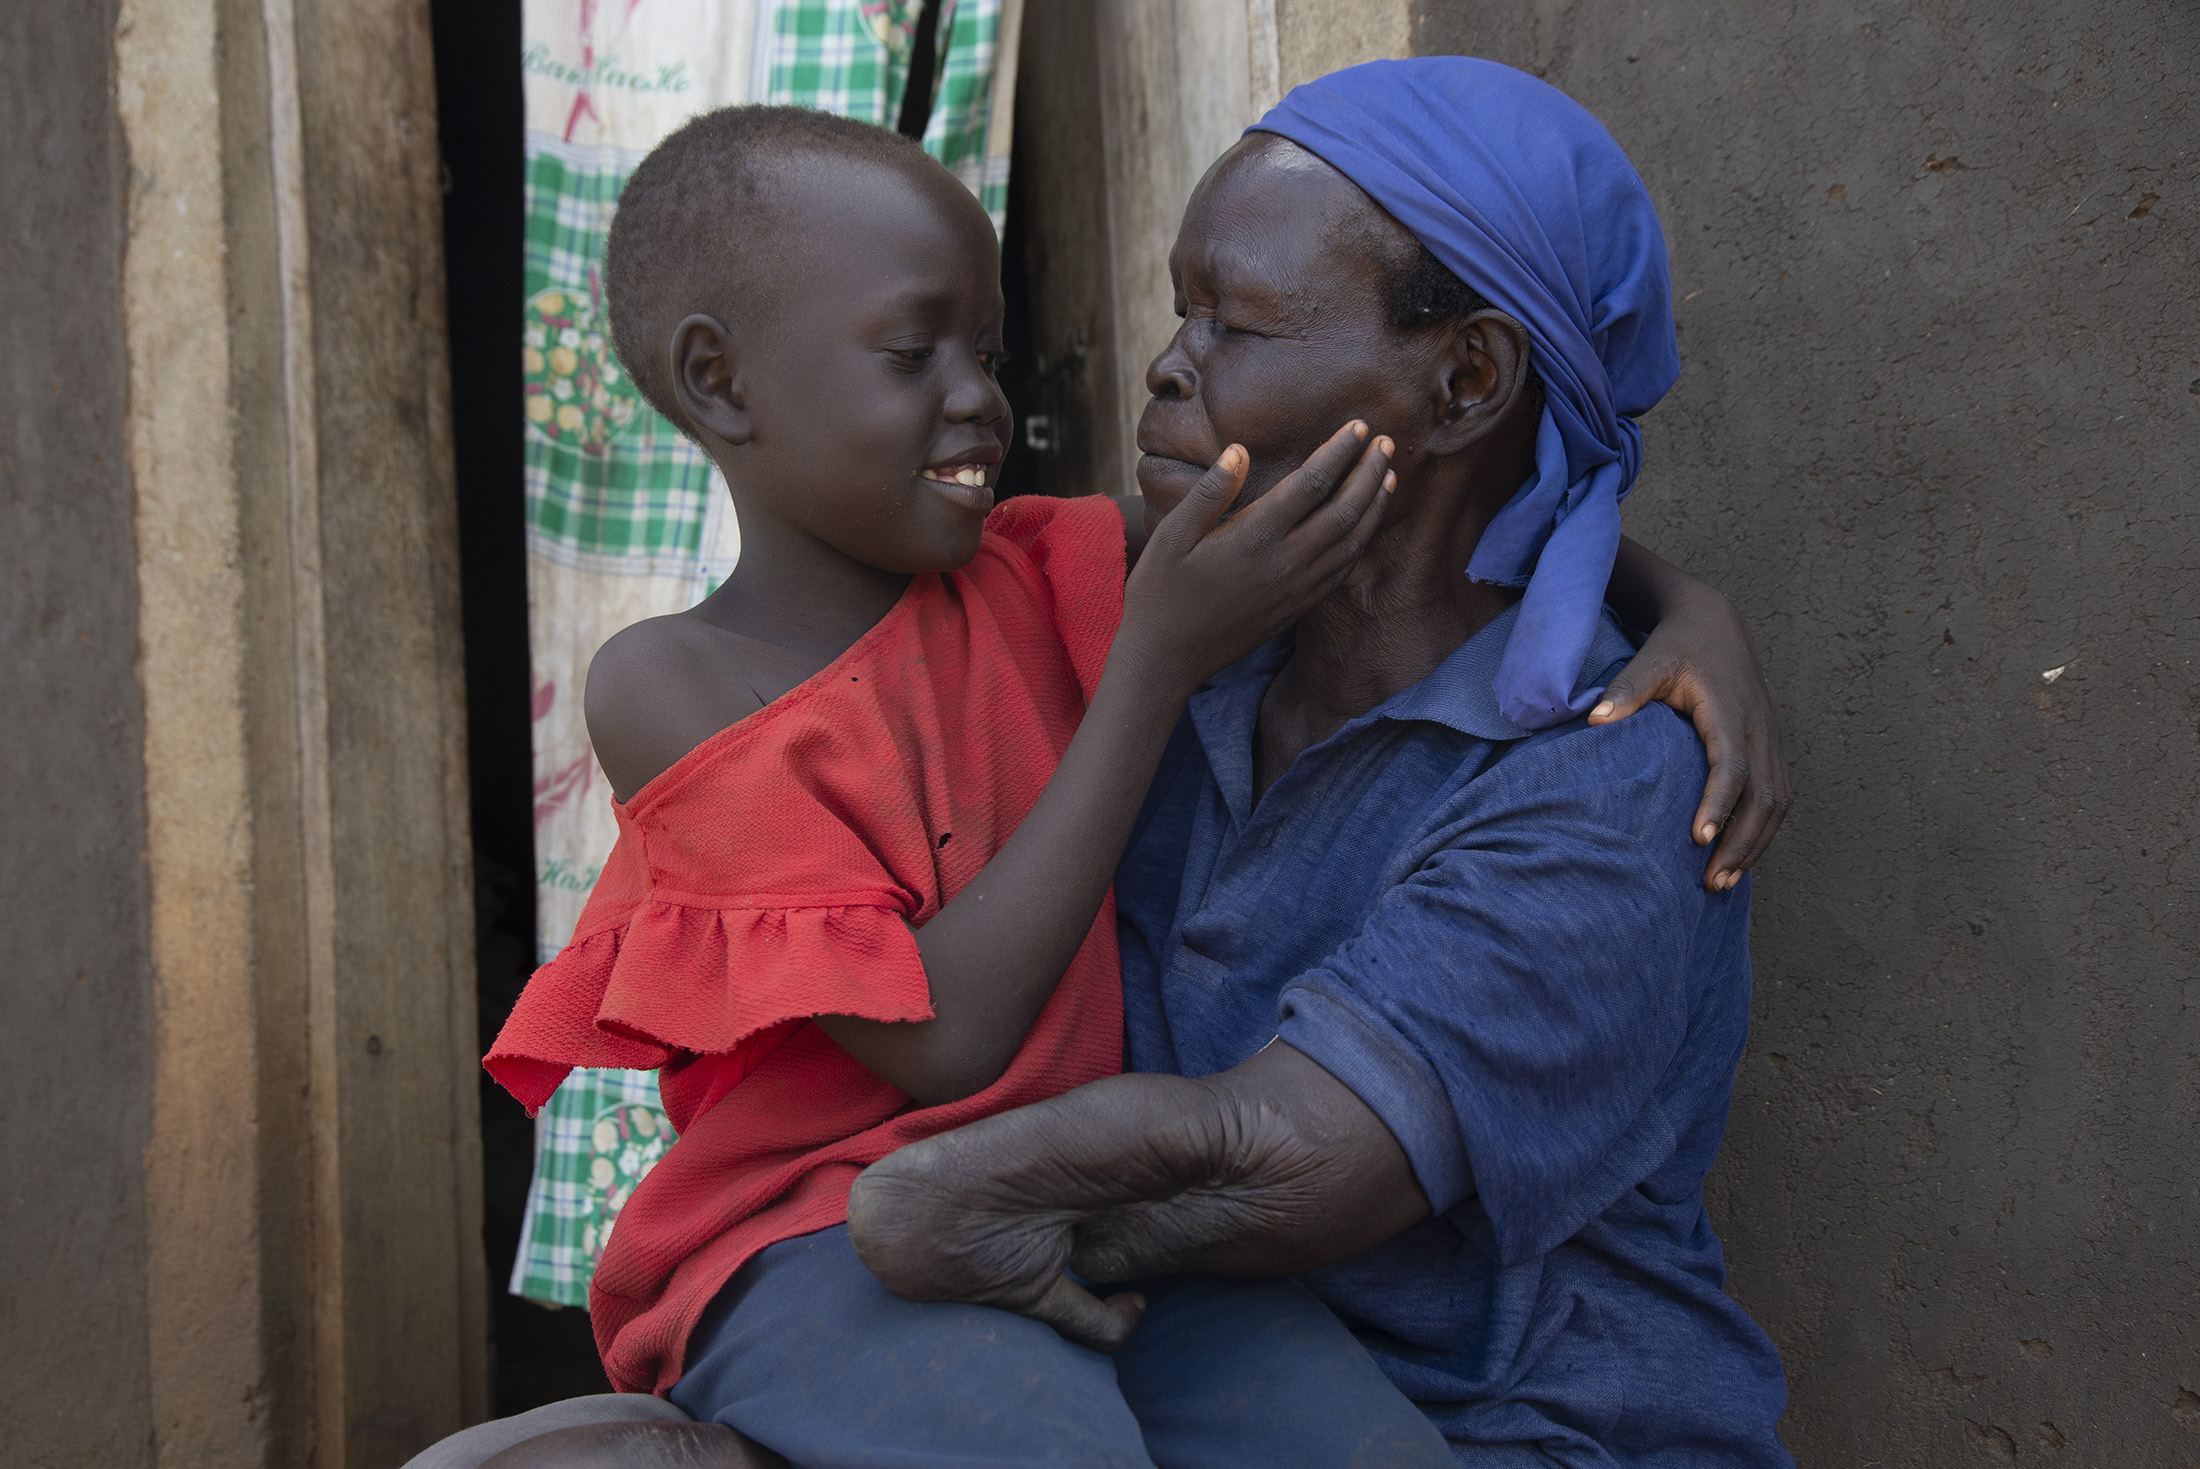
(1171, 375)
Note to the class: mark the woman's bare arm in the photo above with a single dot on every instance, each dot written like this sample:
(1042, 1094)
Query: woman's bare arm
(1269, 1169)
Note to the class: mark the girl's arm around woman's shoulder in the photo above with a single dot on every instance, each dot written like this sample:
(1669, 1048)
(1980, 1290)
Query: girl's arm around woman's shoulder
(1698, 659)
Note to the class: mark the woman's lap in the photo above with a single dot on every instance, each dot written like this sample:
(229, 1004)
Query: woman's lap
(1228, 1373)
(807, 1353)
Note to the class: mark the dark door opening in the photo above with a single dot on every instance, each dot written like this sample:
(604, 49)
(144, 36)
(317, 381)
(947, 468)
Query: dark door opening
(537, 1354)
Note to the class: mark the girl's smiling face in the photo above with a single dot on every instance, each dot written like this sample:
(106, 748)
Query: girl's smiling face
(855, 393)
(1285, 335)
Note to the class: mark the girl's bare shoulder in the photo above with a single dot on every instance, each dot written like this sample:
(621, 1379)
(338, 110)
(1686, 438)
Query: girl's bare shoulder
(658, 689)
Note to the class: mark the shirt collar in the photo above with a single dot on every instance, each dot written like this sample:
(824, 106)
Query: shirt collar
(1460, 694)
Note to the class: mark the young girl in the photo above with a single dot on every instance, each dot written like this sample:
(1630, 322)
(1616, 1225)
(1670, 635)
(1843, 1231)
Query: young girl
(871, 796)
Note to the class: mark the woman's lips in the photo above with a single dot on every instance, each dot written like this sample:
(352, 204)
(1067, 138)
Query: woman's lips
(1163, 466)
(1164, 481)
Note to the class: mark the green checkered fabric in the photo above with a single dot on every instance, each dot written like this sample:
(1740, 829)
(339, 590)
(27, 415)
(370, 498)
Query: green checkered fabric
(612, 487)
(826, 54)
(597, 1138)
(961, 101)
(636, 503)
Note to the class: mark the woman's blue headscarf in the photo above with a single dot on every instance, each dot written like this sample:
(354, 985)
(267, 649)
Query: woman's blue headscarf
(1525, 197)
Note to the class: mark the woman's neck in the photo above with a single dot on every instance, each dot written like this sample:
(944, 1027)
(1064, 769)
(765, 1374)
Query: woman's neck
(1403, 609)
(1401, 612)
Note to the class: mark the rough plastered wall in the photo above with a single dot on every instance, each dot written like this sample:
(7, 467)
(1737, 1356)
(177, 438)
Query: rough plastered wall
(75, 1027)
(1938, 432)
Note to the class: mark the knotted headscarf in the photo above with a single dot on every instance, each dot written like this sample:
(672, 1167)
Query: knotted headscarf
(1525, 197)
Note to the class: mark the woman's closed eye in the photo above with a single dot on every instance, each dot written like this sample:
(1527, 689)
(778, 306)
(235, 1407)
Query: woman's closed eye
(1232, 324)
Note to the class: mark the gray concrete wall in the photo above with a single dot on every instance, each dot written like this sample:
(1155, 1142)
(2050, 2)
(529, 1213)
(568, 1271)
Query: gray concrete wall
(1938, 432)
(74, 972)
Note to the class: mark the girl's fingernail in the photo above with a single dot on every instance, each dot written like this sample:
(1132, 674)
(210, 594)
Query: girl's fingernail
(1709, 831)
(1390, 480)
(1359, 429)
(1602, 711)
(1384, 446)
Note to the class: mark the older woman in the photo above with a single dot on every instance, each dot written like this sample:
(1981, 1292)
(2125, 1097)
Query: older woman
(1462, 1015)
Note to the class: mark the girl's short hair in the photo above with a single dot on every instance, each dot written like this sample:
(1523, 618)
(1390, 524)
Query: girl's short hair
(701, 218)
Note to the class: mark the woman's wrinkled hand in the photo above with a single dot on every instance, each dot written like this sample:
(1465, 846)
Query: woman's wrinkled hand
(1269, 1169)
(952, 1219)
(1700, 661)
(1119, 1180)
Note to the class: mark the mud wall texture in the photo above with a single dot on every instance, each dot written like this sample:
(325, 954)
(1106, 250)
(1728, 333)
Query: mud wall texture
(74, 973)
(1938, 433)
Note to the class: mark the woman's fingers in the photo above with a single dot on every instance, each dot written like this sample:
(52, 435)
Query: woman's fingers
(1343, 518)
(1745, 796)
(1723, 788)
(1085, 1319)
(1715, 683)
(1642, 681)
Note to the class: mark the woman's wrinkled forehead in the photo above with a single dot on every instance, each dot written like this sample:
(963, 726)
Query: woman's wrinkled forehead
(1270, 215)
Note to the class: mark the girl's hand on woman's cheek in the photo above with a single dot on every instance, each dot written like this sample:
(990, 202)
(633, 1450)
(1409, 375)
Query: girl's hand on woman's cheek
(1211, 586)
(1699, 661)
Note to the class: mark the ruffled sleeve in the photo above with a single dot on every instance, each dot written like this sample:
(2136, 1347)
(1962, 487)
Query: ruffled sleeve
(1077, 546)
(681, 976)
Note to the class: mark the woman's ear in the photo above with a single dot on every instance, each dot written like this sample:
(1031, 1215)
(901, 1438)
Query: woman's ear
(1482, 372)
(706, 378)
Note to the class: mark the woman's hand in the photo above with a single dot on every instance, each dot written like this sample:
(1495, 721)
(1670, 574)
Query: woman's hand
(1269, 1169)
(1699, 660)
(1211, 586)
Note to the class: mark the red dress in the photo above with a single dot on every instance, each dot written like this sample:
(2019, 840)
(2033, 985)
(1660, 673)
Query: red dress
(773, 875)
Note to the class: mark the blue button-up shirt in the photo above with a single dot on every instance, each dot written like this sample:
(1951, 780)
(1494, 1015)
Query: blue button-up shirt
(1501, 943)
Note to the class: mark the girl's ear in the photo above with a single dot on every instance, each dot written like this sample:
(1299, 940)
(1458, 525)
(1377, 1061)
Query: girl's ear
(1482, 372)
(706, 379)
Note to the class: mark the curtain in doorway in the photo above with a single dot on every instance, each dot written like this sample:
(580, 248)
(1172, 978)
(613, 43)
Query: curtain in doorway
(625, 518)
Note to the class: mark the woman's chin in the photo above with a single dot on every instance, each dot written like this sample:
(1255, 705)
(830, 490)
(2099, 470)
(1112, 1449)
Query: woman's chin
(1165, 482)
